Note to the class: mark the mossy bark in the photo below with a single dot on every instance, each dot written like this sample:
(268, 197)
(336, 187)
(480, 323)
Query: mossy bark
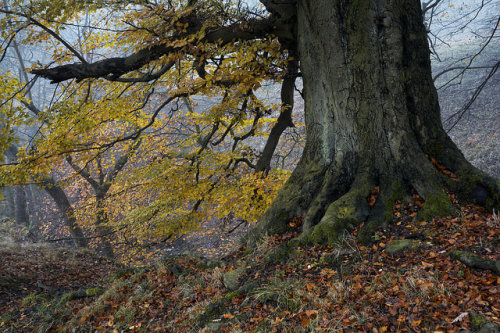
(401, 245)
(481, 324)
(231, 278)
(372, 121)
(475, 261)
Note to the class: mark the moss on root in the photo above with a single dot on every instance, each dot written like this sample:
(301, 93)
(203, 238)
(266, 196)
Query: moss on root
(212, 311)
(282, 252)
(401, 245)
(477, 187)
(436, 205)
(94, 292)
(336, 219)
(341, 215)
(475, 261)
(231, 278)
(397, 193)
(366, 233)
(82, 293)
(351, 210)
(481, 324)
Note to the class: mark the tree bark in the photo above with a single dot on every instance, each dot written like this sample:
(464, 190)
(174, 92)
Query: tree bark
(103, 231)
(20, 212)
(22, 216)
(10, 202)
(67, 211)
(372, 123)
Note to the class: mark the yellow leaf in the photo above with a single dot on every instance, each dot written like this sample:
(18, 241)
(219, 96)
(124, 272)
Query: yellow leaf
(310, 313)
(426, 265)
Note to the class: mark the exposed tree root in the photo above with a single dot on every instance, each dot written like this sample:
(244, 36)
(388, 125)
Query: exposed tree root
(475, 261)
(332, 200)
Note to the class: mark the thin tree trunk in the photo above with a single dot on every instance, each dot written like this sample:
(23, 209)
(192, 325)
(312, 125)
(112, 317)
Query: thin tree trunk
(102, 229)
(66, 210)
(21, 210)
(10, 202)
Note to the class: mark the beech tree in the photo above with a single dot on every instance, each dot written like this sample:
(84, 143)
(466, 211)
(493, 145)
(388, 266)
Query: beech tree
(373, 128)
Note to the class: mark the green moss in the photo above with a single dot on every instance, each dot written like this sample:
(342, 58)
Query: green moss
(82, 293)
(343, 214)
(437, 205)
(475, 261)
(233, 294)
(94, 292)
(231, 278)
(477, 187)
(400, 245)
(282, 252)
(477, 321)
(212, 311)
(326, 232)
(68, 297)
(397, 193)
(366, 234)
(248, 287)
(111, 294)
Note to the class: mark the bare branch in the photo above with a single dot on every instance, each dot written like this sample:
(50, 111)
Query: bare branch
(459, 115)
(47, 29)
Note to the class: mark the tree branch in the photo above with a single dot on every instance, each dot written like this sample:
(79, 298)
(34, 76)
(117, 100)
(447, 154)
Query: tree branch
(120, 163)
(284, 120)
(47, 29)
(113, 68)
(82, 172)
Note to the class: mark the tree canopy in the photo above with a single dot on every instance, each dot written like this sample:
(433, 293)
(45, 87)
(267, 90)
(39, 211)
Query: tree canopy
(127, 134)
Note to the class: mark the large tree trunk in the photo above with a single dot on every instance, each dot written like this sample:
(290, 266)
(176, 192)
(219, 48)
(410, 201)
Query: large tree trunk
(372, 123)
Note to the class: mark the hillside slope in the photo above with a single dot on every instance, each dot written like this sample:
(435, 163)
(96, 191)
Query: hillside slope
(411, 278)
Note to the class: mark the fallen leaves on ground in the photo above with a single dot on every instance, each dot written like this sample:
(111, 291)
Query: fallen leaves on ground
(348, 286)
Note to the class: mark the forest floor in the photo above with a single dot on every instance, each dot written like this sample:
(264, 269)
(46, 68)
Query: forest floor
(411, 278)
